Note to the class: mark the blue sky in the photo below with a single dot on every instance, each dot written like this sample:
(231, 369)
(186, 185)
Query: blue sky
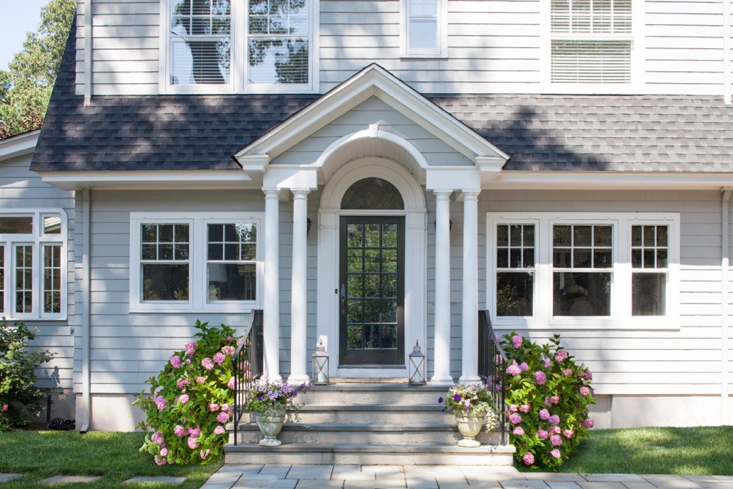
(18, 18)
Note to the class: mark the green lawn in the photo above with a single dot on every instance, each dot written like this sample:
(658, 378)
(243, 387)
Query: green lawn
(691, 451)
(114, 456)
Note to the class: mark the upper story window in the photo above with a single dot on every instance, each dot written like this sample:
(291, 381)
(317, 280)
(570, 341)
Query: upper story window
(236, 46)
(591, 41)
(200, 48)
(424, 28)
(32, 265)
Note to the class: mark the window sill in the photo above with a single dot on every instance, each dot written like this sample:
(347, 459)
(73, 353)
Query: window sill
(55, 319)
(426, 57)
(212, 310)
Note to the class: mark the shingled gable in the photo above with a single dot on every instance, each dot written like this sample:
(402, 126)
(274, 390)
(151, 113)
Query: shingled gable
(372, 81)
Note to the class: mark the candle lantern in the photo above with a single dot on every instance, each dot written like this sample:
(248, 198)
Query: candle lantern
(320, 365)
(417, 372)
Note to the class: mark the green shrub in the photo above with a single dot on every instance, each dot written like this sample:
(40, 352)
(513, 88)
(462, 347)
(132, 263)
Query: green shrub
(191, 400)
(548, 395)
(18, 392)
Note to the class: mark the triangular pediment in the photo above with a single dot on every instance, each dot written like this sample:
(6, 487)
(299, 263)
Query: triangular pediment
(372, 81)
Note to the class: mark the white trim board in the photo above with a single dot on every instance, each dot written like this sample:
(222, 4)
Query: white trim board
(19, 145)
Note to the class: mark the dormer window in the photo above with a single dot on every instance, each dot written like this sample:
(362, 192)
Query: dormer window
(424, 28)
(592, 41)
(225, 46)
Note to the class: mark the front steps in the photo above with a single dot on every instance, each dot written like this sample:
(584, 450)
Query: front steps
(373, 424)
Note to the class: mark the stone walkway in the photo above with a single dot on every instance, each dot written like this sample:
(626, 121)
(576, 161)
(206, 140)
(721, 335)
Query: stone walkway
(441, 477)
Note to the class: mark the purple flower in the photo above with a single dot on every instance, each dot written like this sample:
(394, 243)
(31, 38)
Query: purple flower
(518, 431)
(555, 453)
(588, 423)
(231, 383)
(561, 356)
(194, 433)
(556, 440)
(515, 418)
(517, 341)
(544, 414)
(219, 430)
(222, 418)
(180, 431)
(586, 375)
(540, 377)
(193, 443)
(528, 458)
(175, 361)
(219, 358)
(456, 398)
(554, 419)
(182, 383)
(547, 363)
(524, 408)
(200, 380)
(163, 452)
(159, 461)
(440, 400)
(157, 437)
(204, 454)
(568, 433)
(555, 399)
(160, 402)
(584, 390)
(228, 350)
(207, 363)
(213, 407)
(542, 434)
(567, 372)
(513, 369)
(513, 408)
(523, 366)
(183, 399)
(468, 405)
(190, 348)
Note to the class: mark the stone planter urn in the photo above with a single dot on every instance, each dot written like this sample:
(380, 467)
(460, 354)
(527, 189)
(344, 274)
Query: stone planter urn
(469, 424)
(270, 424)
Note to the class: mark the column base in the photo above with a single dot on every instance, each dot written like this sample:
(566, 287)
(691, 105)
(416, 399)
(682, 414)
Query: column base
(470, 380)
(296, 380)
(442, 381)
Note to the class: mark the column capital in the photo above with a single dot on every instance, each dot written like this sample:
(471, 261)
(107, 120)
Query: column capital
(442, 194)
(300, 193)
(470, 194)
(271, 193)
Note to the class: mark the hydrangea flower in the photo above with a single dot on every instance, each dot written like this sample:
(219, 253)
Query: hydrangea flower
(194, 433)
(159, 460)
(204, 453)
(547, 363)
(568, 433)
(222, 417)
(518, 431)
(555, 453)
(555, 399)
(160, 402)
(513, 408)
(567, 372)
(542, 434)
(555, 440)
(588, 423)
(528, 458)
(515, 418)
(175, 361)
(544, 414)
(190, 348)
(213, 407)
(561, 356)
(540, 377)
(200, 380)
(182, 383)
(513, 369)
(523, 366)
(517, 341)
(219, 430)
(524, 408)
(584, 390)
(219, 358)
(207, 364)
(157, 437)
(183, 399)
(228, 350)
(164, 452)
(554, 419)
(231, 383)
(193, 443)
(5, 408)
(180, 431)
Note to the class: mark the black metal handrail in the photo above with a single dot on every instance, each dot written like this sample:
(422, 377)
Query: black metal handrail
(492, 362)
(248, 365)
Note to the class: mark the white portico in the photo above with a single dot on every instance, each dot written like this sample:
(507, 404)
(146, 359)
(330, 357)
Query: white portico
(372, 255)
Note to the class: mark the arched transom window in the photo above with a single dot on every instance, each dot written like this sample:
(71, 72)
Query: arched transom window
(373, 193)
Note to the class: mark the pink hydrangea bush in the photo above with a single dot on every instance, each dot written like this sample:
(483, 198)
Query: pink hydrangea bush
(547, 403)
(191, 400)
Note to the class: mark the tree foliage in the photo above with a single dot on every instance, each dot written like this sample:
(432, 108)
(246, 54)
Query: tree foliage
(25, 88)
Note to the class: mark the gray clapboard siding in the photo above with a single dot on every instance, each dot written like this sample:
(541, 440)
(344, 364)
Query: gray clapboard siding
(21, 188)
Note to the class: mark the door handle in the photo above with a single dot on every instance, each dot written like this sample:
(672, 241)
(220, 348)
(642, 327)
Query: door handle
(343, 296)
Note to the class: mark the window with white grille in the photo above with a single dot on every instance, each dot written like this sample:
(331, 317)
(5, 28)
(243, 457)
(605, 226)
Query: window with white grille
(591, 41)
(424, 25)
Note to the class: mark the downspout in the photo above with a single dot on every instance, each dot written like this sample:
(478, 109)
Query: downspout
(85, 316)
(88, 51)
(727, 52)
(724, 319)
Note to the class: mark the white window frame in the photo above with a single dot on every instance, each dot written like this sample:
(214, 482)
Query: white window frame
(621, 317)
(38, 240)
(198, 285)
(239, 63)
(441, 49)
(638, 73)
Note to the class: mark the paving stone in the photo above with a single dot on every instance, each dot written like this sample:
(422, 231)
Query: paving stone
(452, 484)
(485, 484)
(280, 471)
(174, 481)
(375, 484)
(490, 474)
(613, 478)
(422, 484)
(601, 485)
(265, 483)
(9, 477)
(351, 473)
(640, 485)
(523, 484)
(562, 485)
(216, 486)
(700, 479)
(317, 484)
(224, 478)
(717, 485)
(310, 472)
(551, 476)
(240, 469)
(723, 478)
(70, 479)
(671, 481)
(383, 469)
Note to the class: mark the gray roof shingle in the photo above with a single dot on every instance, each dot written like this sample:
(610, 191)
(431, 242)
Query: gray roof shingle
(540, 132)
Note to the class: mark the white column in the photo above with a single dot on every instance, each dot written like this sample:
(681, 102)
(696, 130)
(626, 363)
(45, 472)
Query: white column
(298, 301)
(271, 297)
(441, 374)
(470, 288)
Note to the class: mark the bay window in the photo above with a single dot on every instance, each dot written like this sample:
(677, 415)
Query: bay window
(32, 265)
(194, 261)
(580, 270)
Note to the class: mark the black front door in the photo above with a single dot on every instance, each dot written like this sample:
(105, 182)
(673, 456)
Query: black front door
(372, 330)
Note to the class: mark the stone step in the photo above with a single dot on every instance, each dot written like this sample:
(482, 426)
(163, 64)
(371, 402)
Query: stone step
(369, 433)
(374, 413)
(369, 454)
(358, 393)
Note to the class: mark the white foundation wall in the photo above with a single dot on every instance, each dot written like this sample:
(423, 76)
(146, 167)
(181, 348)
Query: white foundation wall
(22, 189)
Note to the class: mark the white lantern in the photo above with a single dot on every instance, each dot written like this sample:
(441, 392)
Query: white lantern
(320, 365)
(417, 373)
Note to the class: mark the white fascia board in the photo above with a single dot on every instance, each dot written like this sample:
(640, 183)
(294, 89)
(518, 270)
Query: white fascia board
(20, 145)
(512, 179)
(373, 81)
(193, 179)
(450, 178)
(291, 178)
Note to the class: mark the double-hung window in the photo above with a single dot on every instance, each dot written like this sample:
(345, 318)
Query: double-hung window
(33, 265)
(195, 261)
(577, 270)
(239, 46)
(424, 28)
(591, 41)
